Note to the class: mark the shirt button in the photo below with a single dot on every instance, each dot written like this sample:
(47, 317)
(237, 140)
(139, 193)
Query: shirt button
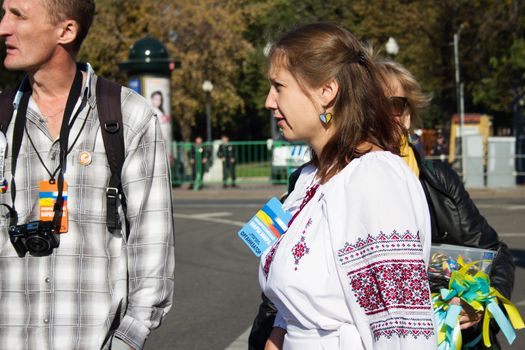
(47, 280)
(53, 156)
(46, 321)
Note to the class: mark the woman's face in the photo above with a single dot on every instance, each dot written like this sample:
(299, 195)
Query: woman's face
(295, 112)
(397, 90)
(156, 100)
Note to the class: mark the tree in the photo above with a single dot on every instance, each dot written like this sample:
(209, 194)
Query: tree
(211, 46)
(223, 41)
(499, 35)
(205, 36)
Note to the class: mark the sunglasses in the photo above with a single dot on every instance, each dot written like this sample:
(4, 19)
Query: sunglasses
(398, 104)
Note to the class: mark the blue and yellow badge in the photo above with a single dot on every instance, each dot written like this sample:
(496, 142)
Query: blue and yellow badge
(48, 197)
(270, 222)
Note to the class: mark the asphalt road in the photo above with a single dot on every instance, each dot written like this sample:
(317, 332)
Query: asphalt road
(216, 287)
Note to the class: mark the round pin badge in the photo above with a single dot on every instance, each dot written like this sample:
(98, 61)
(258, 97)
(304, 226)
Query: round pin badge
(85, 158)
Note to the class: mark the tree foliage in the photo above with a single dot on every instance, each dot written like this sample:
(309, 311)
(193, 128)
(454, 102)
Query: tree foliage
(223, 41)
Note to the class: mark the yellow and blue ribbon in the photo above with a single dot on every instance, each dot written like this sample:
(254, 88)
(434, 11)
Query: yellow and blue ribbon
(475, 290)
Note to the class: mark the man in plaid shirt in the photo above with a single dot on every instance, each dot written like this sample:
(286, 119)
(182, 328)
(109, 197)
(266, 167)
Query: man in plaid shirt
(99, 288)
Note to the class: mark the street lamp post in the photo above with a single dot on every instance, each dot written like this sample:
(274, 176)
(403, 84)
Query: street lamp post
(391, 46)
(207, 87)
(460, 104)
(273, 124)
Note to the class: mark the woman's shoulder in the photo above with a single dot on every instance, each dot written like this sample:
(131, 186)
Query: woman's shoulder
(306, 174)
(378, 166)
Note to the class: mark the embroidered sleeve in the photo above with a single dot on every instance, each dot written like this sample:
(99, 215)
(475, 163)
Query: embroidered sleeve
(377, 223)
(387, 278)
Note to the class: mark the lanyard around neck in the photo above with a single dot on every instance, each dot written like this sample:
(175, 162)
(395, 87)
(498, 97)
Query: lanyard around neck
(310, 193)
(18, 134)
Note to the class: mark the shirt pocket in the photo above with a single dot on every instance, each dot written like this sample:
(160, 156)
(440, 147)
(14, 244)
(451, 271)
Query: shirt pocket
(87, 192)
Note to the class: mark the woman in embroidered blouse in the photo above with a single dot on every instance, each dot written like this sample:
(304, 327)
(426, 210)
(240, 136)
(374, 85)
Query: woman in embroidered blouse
(350, 273)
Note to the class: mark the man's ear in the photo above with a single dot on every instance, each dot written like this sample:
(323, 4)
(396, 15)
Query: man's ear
(68, 32)
(329, 92)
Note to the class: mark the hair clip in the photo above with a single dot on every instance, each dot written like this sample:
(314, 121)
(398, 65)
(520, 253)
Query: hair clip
(362, 58)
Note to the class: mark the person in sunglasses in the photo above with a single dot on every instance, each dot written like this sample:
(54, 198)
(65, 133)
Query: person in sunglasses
(455, 218)
(350, 272)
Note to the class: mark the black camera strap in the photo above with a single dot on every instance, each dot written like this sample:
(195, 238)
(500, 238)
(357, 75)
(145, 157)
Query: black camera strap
(18, 134)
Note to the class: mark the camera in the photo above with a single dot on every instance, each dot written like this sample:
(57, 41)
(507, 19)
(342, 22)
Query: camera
(39, 238)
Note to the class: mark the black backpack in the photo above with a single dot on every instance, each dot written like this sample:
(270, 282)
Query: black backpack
(110, 118)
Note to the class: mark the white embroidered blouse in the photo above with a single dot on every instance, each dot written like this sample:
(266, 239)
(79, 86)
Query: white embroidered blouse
(350, 273)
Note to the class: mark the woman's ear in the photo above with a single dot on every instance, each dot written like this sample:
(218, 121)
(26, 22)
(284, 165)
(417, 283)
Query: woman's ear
(68, 32)
(329, 92)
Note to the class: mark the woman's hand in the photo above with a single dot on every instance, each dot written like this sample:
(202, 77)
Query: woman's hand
(276, 339)
(468, 316)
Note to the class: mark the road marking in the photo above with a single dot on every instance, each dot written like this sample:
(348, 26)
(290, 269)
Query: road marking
(206, 218)
(211, 215)
(216, 205)
(240, 343)
(512, 235)
(507, 207)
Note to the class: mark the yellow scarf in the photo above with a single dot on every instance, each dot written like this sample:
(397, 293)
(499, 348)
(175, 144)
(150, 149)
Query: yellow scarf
(407, 153)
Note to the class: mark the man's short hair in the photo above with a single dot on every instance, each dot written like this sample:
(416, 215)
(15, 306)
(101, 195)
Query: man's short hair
(81, 11)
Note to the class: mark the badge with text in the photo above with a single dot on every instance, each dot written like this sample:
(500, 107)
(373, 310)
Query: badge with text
(48, 197)
(270, 222)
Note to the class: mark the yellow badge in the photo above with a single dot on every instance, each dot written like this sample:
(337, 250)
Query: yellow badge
(84, 158)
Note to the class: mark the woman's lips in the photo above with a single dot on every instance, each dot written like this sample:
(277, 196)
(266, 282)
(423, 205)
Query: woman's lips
(279, 119)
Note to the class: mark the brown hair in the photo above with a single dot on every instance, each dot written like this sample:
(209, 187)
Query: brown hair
(318, 52)
(81, 11)
(391, 73)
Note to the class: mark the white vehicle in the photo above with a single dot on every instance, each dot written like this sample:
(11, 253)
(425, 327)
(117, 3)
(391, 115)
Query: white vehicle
(286, 157)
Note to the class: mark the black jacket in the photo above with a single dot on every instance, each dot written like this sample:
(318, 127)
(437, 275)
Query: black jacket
(455, 219)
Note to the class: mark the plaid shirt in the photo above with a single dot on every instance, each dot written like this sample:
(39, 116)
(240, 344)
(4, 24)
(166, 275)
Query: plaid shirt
(68, 300)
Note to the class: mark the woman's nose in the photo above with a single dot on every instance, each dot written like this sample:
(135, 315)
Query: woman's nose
(270, 102)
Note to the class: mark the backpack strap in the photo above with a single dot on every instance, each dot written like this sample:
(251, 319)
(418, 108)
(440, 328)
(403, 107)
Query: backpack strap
(112, 129)
(7, 98)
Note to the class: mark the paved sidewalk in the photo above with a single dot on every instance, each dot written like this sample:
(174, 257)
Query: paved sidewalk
(267, 191)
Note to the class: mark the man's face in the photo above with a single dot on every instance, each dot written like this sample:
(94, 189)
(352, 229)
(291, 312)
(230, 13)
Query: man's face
(30, 37)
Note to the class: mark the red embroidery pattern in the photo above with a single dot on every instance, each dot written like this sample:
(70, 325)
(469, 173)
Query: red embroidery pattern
(402, 327)
(299, 250)
(389, 281)
(399, 284)
(391, 243)
(269, 259)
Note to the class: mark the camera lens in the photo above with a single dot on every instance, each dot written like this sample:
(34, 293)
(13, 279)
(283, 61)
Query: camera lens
(37, 244)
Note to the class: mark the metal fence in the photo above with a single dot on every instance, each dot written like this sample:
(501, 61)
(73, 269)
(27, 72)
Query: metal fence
(253, 162)
(271, 162)
(491, 170)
